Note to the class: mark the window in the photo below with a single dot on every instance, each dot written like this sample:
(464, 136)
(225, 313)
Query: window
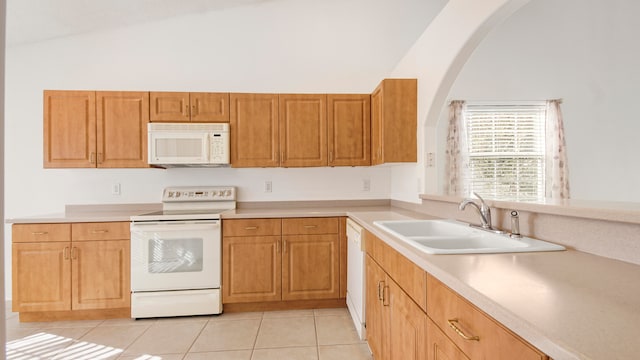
(506, 150)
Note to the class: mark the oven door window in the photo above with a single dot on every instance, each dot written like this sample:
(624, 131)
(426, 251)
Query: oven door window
(175, 255)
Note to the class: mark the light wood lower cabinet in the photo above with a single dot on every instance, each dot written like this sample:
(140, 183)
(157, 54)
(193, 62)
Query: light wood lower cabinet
(475, 333)
(251, 269)
(439, 347)
(396, 325)
(280, 259)
(451, 328)
(56, 268)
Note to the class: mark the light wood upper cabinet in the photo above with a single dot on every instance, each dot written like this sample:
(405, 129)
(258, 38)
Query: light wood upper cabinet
(53, 270)
(95, 129)
(303, 130)
(122, 118)
(349, 129)
(254, 130)
(185, 107)
(394, 121)
(69, 129)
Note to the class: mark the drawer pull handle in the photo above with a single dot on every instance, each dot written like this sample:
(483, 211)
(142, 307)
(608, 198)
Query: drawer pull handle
(65, 253)
(99, 231)
(277, 246)
(39, 233)
(74, 253)
(385, 296)
(251, 228)
(453, 323)
(310, 226)
(380, 295)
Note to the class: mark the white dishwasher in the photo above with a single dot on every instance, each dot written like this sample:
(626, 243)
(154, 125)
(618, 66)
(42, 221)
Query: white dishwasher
(356, 277)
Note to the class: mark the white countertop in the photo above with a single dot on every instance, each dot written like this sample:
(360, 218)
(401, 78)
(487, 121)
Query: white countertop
(569, 304)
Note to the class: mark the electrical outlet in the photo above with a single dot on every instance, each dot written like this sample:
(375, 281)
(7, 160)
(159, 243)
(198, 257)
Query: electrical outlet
(267, 186)
(366, 185)
(115, 189)
(430, 159)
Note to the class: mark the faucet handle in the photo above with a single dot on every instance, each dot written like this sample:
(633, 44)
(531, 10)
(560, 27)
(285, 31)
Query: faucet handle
(478, 196)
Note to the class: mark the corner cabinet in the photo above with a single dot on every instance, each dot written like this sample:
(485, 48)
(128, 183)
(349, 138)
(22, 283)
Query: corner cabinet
(189, 107)
(88, 129)
(394, 121)
(70, 271)
(412, 315)
(280, 261)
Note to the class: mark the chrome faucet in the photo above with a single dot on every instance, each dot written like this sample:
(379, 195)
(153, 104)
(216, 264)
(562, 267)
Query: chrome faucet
(483, 210)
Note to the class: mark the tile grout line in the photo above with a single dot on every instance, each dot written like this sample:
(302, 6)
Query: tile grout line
(255, 340)
(196, 338)
(315, 326)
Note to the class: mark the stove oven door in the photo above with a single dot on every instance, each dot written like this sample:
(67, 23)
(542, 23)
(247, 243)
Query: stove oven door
(175, 255)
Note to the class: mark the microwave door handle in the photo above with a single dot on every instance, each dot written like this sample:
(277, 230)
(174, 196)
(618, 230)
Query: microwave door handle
(208, 148)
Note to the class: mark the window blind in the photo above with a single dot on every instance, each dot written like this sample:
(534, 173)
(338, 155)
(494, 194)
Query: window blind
(506, 150)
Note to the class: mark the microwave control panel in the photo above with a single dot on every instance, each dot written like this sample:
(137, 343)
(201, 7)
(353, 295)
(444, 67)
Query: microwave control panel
(219, 148)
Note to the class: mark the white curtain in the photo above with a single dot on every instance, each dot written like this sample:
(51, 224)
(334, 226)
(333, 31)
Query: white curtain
(557, 171)
(456, 152)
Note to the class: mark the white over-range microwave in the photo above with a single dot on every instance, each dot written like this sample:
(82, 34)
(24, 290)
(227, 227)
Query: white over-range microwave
(189, 144)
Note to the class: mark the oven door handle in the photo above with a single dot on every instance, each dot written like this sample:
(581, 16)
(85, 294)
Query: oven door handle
(175, 226)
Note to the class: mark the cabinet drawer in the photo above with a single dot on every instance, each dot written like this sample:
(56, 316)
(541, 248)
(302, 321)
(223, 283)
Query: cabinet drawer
(251, 227)
(411, 278)
(303, 226)
(100, 231)
(485, 338)
(41, 232)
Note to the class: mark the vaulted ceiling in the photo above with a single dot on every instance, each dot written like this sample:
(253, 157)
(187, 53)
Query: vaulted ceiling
(37, 20)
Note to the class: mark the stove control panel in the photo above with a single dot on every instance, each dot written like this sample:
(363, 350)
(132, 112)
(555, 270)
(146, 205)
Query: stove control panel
(199, 193)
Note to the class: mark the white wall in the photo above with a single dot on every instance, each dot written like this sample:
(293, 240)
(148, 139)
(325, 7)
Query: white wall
(280, 46)
(435, 59)
(585, 52)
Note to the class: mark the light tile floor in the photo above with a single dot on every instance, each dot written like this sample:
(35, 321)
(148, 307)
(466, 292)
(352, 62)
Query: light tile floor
(322, 334)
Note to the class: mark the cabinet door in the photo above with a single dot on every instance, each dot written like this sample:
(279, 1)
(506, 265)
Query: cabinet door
(303, 130)
(310, 267)
(209, 107)
(376, 127)
(101, 274)
(349, 128)
(41, 276)
(169, 106)
(254, 130)
(122, 120)
(251, 269)
(439, 347)
(69, 129)
(407, 326)
(376, 318)
(394, 121)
